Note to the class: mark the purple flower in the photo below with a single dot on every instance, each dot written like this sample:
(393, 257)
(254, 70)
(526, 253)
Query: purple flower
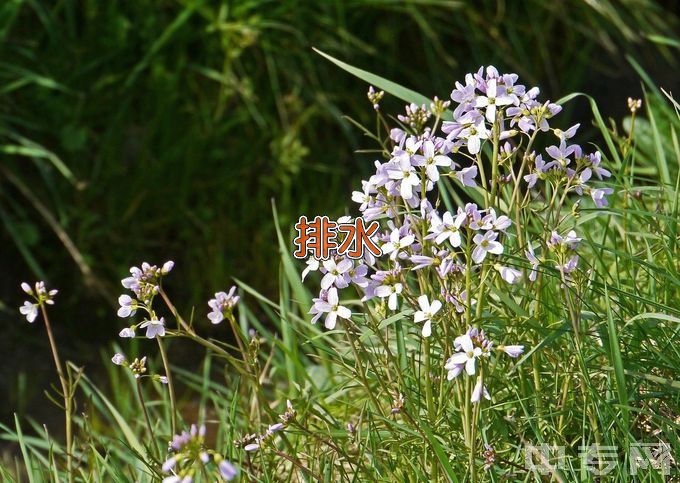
(430, 161)
(561, 154)
(397, 243)
(595, 159)
(512, 350)
(598, 196)
(118, 359)
(569, 241)
(358, 275)
(467, 176)
(127, 333)
(499, 223)
(335, 273)
(154, 327)
(222, 305)
(569, 266)
(227, 470)
(167, 267)
(144, 281)
(478, 222)
(474, 134)
(128, 306)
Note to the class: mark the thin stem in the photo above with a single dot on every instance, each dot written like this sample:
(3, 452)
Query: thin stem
(171, 388)
(469, 424)
(65, 387)
(174, 311)
(494, 166)
(146, 417)
(428, 381)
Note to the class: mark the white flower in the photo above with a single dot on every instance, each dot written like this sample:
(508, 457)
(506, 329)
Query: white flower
(118, 359)
(408, 176)
(252, 447)
(474, 135)
(431, 161)
(333, 308)
(312, 266)
(222, 305)
(128, 306)
(478, 391)
(29, 310)
(599, 196)
(491, 100)
(467, 176)
(127, 333)
(468, 356)
(335, 273)
(391, 292)
(426, 313)
(529, 252)
(448, 229)
(508, 274)
(512, 350)
(486, 243)
(167, 267)
(155, 327)
(396, 244)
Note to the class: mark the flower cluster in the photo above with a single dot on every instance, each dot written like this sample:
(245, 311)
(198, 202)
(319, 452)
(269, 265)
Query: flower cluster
(137, 367)
(222, 305)
(144, 282)
(471, 347)
(40, 296)
(442, 265)
(190, 456)
(489, 107)
(253, 442)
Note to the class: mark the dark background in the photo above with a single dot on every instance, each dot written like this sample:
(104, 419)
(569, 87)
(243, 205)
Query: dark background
(181, 121)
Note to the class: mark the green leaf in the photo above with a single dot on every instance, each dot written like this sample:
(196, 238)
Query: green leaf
(439, 452)
(399, 91)
(615, 356)
(24, 451)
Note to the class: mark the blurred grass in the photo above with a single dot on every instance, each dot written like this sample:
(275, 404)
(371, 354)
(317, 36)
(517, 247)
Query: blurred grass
(163, 129)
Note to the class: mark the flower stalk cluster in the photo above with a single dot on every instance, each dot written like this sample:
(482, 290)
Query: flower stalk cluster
(442, 265)
(190, 456)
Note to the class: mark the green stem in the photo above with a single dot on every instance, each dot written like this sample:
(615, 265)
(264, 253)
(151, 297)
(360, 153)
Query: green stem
(146, 417)
(428, 380)
(494, 166)
(175, 313)
(171, 387)
(66, 390)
